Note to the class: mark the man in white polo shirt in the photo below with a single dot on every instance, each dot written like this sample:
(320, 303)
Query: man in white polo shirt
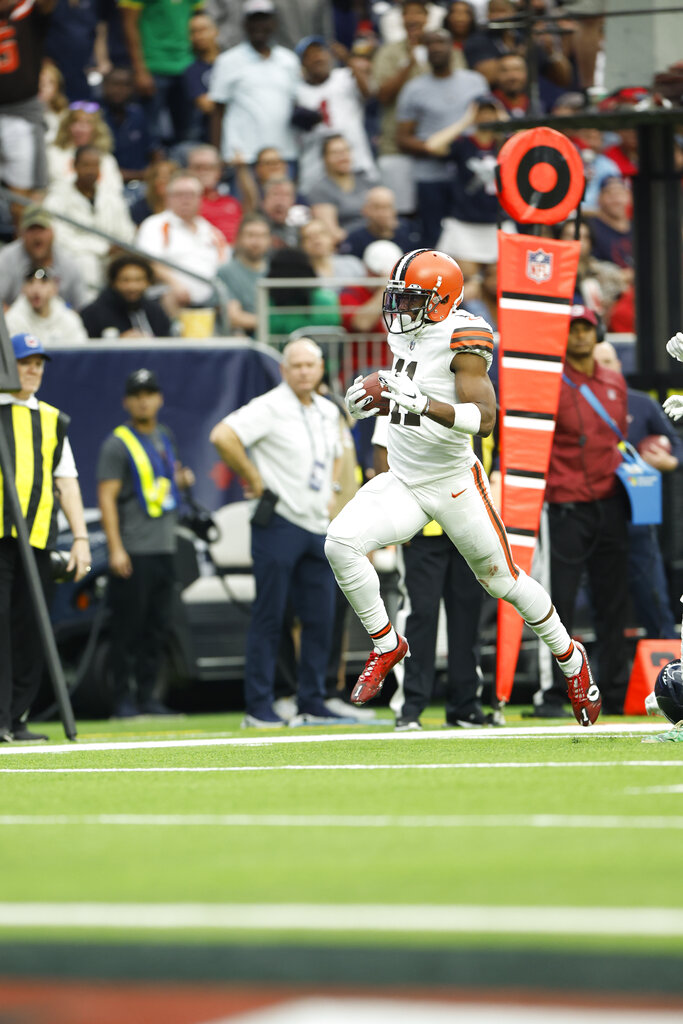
(285, 445)
(181, 235)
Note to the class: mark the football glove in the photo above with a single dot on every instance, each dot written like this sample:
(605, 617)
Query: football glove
(673, 406)
(405, 392)
(674, 346)
(355, 399)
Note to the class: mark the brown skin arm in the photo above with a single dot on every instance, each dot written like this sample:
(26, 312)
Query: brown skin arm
(130, 23)
(216, 124)
(472, 384)
(408, 142)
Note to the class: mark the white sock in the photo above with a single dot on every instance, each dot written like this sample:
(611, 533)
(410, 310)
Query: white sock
(386, 640)
(533, 603)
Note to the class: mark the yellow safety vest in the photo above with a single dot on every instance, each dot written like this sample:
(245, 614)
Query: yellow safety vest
(38, 436)
(155, 489)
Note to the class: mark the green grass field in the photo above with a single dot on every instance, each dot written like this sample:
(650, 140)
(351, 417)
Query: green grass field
(300, 835)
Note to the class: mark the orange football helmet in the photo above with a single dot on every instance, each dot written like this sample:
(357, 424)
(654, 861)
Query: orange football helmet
(424, 286)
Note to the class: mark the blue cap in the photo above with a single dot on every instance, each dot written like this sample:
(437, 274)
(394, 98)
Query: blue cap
(307, 41)
(28, 345)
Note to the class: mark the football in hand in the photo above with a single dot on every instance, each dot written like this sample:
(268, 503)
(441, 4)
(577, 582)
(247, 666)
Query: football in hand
(654, 444)
(374, 386)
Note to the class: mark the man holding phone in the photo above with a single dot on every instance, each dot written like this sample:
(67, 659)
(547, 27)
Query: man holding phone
(285, 446)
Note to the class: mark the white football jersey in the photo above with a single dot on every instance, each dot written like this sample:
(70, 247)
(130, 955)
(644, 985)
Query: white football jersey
(418, 449)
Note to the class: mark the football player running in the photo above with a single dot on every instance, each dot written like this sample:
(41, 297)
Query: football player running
(441, 394)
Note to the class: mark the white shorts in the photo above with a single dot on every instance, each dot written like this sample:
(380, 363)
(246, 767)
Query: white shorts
(23, 163)
(387, 511)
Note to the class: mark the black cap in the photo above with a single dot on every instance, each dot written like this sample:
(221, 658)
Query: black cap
(141, 380)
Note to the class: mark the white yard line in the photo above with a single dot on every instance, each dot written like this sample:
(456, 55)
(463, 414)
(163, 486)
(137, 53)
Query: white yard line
(164, 769)
(448, 735)
(637, 790)
(627, 921)
(373, 821)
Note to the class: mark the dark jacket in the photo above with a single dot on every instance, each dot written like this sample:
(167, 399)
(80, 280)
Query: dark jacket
(109, 313)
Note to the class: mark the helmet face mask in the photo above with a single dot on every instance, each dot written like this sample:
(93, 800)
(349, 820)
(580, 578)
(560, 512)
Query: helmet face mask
(669, 691)
(405, 307)
(424, 287)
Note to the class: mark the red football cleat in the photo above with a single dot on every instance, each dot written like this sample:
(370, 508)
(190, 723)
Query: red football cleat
(377, 668)
(583, 693)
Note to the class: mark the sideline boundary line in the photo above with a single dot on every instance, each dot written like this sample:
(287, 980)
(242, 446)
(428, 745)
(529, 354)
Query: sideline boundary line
(301, 917)
(373, 821)
(538, 732)
(170, 769)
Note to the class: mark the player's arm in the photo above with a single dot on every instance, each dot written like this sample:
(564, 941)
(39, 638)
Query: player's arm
(475, 409)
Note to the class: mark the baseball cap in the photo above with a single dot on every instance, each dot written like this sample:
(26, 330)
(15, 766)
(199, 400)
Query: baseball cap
(39, 273)
(141, 380)
(27, 345)
(489, 100)
(307, 41)
(381, 256)
(35, 216)
(583, 313)
(252, 7)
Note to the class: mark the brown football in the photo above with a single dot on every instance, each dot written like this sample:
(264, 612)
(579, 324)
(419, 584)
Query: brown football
(375, 387)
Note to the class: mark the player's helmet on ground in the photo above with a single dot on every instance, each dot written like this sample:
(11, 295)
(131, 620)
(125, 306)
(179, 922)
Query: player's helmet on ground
(669, 691)
(424, 286)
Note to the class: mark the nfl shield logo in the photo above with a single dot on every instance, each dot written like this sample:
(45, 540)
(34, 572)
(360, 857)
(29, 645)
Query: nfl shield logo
(539, 266)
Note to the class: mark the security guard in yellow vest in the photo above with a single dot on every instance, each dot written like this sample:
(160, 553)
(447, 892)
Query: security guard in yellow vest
(139, 477)
(44, 470)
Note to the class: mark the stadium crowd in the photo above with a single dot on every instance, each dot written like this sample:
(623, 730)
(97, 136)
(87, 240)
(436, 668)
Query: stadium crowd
(164, 125)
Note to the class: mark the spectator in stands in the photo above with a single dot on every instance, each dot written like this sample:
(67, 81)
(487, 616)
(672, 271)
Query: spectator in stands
(158, 41)
(484, 49)
(269, 164)
(51, 94)
(157, 177)
(587, 513)
(204, 40)
(381, 222)
(624, 153)
(315, 238)
(481, 296)
(181, 235)
(426, 105)
(622, 317)
(217, 205)
(512, 84)
(70, 43)
(394, 64)
(253, 86)
(122, 309)
(83, 125)
(392, 28)
(339, 194)
(470, 231)
(304, 306)
(598, 282)
(461, 22)
(40, 311)
(648, 583)
(330, 101)
(36, 247)
(288, 441)
(90, 203)
(241, 274)
(284, 215)
(127, 123)
(611, 225)
(294, 21)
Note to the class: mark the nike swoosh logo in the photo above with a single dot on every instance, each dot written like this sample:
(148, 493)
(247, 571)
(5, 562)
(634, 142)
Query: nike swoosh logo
(459, 493)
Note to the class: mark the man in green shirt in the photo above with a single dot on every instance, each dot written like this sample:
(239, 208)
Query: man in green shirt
(158, 41)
